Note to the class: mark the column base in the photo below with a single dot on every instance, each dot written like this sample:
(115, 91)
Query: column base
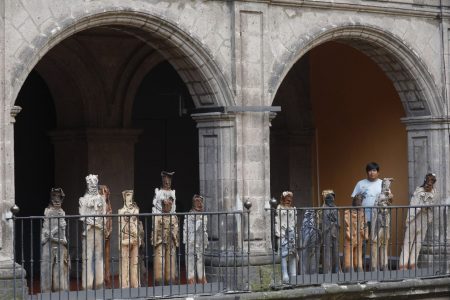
(13, 283)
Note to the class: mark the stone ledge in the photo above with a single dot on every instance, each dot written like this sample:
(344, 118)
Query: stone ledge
(435, 288)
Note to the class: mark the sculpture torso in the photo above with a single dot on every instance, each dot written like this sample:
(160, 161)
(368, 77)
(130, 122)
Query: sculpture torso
(54, 229)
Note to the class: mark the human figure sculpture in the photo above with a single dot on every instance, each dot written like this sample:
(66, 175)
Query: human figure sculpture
(285, 232)
(195, 239)
(330, 233)
(355, 233)
(55, 262)
(165, 239)
(91, 204)
(311, 239)
(417, 221)
(104, 191)
(129, 239)
(381, 226)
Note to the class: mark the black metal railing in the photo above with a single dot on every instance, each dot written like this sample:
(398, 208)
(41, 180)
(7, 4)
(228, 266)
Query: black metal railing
(146, 255)
(342, 245)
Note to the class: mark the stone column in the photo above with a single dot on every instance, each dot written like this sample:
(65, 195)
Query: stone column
(12, 275)
(109, 153)
(428, 151)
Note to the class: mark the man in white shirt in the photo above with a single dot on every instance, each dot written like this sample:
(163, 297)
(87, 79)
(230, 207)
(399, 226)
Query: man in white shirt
(369, 188)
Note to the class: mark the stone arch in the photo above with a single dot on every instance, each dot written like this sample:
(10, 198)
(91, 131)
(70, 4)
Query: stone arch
(408, 73)
(190, 58)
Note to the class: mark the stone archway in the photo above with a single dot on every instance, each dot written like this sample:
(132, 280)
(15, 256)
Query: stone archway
(399, 61)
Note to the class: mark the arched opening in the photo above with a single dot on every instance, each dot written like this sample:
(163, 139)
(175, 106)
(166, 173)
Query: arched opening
(339, 112)
(107, 101)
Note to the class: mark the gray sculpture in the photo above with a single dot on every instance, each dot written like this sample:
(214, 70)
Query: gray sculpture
(195, 239)
(55, 260)
(285, 231)
(92, 203)
(381, 226)
(311, 239)
(330, 233)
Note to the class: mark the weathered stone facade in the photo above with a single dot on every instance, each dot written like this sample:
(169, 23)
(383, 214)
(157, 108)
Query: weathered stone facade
(233, 56)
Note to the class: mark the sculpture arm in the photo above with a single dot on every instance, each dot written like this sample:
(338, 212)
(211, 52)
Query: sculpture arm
(347, 224)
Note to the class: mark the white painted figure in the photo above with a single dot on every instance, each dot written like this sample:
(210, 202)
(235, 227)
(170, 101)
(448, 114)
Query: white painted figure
(285, 231)
(55, 262)
(92, 203)
(417, 221)
(195, 238)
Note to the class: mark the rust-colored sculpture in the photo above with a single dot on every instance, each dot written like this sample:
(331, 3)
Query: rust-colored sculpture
(55, 262)
(104, 191)
(129, 241)
(355, 233)
(165, 239)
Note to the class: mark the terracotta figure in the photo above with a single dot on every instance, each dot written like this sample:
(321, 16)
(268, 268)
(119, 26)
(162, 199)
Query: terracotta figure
(129, 239)
(195, 238)
(417, 221)
(285, 231)
(355, 233)
(165, 238)
(104, 191)
(92, 203)
(55, 260)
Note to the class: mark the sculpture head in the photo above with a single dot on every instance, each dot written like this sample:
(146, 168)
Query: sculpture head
(358, 199)
(429, 181)
(287, 198)
(92, 183)
(166, 180)
(328, 197)
(197, 203)
(167, 205)
(128, 198)
(56, 197)
(386, 184)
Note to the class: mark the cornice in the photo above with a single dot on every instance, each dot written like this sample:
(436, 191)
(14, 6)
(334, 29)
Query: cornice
(428, 11)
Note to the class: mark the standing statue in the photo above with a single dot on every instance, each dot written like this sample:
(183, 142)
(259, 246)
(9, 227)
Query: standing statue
(195, 238)
(129, 239)
(55, 262)
(165, 238)
(285, 231)
(104, 191)
(92, 203)
(355, 233)
(417, 221)
(330, 233)
(311, 239)
(381, 226)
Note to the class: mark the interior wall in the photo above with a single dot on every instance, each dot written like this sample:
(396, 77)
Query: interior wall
(357, 119)
(169, 138)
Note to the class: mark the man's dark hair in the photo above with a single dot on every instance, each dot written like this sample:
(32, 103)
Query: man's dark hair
(372, 166)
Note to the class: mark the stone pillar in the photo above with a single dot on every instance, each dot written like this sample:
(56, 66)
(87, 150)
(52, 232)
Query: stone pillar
(428, 151)
(109, 153)
(12, 275)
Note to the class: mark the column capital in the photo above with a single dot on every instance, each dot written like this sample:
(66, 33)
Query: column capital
(214, 119)
(426, 123)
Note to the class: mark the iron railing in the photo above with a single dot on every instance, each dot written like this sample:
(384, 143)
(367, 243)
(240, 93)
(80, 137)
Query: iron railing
(338, 245)
(146, 256)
